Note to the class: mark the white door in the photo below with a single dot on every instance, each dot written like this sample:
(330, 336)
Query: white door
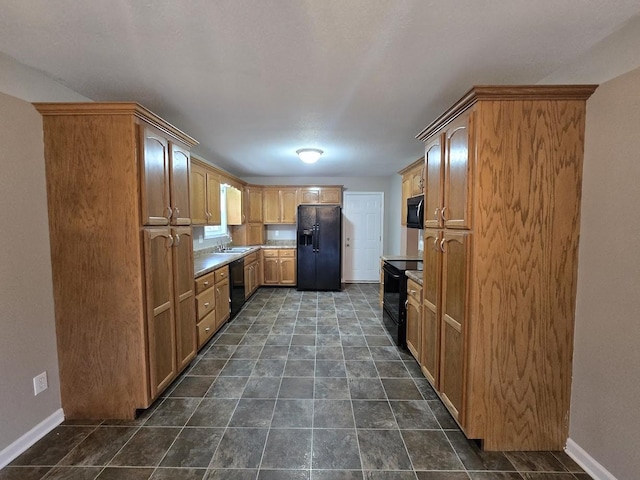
(362, 242)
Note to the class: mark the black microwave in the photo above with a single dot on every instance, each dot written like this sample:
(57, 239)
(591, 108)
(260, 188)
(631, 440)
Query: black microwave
(415, 212)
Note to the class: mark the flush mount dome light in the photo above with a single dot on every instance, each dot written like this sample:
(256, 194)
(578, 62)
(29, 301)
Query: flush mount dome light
(309, 155)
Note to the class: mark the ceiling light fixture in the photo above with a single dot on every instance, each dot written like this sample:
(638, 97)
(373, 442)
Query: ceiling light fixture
(309, 155)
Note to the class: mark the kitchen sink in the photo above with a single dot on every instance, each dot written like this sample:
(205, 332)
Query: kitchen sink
(236, 250)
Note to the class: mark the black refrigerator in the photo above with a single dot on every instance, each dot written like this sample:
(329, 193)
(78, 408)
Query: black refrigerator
(319, 255)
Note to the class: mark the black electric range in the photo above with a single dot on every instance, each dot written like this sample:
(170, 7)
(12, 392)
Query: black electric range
(394, 297)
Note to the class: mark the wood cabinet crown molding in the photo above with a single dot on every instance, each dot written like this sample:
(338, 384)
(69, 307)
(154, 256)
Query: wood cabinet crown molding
(506, 93)
(115, 108)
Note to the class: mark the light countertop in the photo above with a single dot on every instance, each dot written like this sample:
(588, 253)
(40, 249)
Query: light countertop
(204, 263)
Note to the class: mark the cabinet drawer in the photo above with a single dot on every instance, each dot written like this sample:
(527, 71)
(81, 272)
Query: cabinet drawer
(204, 282)
(287, 253)
(206, 328)
(272, 252)
(414, 290)
(205, 302)
(221, 273)
(252, 257)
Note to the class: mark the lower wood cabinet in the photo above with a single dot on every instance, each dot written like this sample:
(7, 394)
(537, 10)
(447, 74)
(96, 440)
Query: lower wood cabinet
(252, 273)
(414, 318)
(279, 266)
(212, 303)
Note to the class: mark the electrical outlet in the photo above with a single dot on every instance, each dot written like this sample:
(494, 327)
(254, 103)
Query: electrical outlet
(40, 383)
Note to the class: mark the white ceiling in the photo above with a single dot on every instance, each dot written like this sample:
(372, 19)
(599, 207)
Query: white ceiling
(254, 80)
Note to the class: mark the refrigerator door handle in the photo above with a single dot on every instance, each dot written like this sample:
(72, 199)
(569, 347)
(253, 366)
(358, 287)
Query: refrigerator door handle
(316, 230)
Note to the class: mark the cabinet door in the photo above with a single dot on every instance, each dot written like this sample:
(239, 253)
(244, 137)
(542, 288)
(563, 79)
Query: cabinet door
(255, 205)
(161, 328)
(331, 195)
(255, 234)
(457, 176)
(179, 183)
(455, 257)
(287, 268)
(310, 195)
(433, 178)
(417, 181)
(154, 177)
(248, 280)
(234, 206)
(198, 180)
(414, 327)
(289, 205)
(223, 300)
(406, 194)
(185, 308)
(271, 271)
(430, 349)
(271, 206)
(214, 215)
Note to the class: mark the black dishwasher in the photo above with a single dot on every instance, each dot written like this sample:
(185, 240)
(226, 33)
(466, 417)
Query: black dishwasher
(236, 281)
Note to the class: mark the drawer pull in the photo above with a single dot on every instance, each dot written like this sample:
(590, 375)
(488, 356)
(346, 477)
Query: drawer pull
(206, 283)
(207, 329)
(206, 304)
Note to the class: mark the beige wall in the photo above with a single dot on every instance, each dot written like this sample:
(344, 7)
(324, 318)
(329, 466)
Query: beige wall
(605, 401)
(27, 343)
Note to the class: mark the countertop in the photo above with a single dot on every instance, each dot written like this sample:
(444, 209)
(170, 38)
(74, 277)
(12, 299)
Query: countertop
(204, 263)
(415, 275)
(401, 257)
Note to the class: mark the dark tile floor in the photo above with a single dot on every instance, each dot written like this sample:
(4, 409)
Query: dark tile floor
(297, 386)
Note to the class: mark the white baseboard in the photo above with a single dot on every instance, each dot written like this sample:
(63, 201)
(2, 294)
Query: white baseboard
(587, 462)
(8, 454)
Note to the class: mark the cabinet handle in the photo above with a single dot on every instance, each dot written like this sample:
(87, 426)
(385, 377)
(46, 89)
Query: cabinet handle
(412, 292)
(435, 244)
(442, 214)
(169, 212)
(176, 211)
(207, 283)
(406, 304)
(442, 246)
(177, 242)
(207, 329)
(206, 304)
(170, 238)
(435, 214)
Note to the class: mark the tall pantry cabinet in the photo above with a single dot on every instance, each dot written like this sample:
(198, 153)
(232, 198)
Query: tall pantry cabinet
(122, 254)
(503, 170)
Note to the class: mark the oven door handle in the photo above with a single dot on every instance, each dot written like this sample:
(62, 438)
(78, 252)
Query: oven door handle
(390, 273)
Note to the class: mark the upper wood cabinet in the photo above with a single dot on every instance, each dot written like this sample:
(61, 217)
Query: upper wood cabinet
(180, 165)
(235, 214)
(165, 180)
(412, 185)
(205, 195)
(253, 207)
(503, 170)
(279, 205)
(124, 317)
(324, 194)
